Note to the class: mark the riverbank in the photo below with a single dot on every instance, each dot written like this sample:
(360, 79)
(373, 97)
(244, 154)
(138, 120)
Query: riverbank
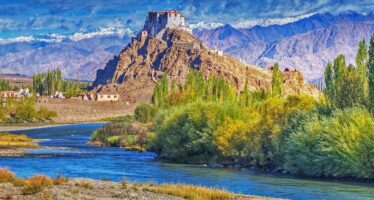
(12, 145)
(42, 187)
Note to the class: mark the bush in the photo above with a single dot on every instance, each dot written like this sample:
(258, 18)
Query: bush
(45, 114)
(186, 133)
(36, 184)
(132, 136)
(6, 175)
(340, 145)
(191, 192)
(2, 112)
(25, 110)
(144, 113)
(85, 185)
(60, 180)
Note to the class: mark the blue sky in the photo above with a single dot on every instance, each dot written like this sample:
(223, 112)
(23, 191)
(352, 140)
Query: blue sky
(33, 17)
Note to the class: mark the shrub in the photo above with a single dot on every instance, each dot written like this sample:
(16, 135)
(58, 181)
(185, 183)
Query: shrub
(45, 114)
(6, 175)
(25, 110)
(186, 133)
(60, 180)
(144, 113)
(36, 184)
(340, 145)
(85, 185)
(132, 136)
(18, 182)
(191, 192)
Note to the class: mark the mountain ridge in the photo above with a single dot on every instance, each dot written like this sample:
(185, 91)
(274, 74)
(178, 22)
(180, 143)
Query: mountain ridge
(260, 46)
(325, 34)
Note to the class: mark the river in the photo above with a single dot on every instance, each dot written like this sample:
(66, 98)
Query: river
(78, 159)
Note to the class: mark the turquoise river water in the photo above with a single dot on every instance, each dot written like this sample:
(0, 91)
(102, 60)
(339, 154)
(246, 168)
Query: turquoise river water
(78, 159)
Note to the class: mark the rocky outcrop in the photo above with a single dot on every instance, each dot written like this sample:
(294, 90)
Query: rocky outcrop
(135, 72)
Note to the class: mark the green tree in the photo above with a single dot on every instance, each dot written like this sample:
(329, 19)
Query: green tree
(277, 82)
(362, 73)
(4, 85)
(329, 82)
(144, 113)
(161, 92)
(2, 110)
(340, 68)
(371, 75)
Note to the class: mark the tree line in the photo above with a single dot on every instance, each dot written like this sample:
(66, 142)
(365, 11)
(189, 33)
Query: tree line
(50, 82)
(348, 86)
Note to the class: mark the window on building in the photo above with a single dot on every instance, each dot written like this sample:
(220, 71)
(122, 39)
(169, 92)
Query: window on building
(115, 96)
(108, 96)
(101, 96)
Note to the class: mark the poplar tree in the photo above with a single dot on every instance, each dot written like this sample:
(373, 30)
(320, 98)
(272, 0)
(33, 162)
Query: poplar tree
(362, 73)
(371, 75)
(329, 82)
(353, 88)
(277, 82)
(339, 68)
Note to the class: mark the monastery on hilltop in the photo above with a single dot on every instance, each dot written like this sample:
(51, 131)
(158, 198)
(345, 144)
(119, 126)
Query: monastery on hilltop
(157, 22)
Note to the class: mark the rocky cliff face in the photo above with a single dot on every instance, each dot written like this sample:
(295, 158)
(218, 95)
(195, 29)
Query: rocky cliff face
(135, 71)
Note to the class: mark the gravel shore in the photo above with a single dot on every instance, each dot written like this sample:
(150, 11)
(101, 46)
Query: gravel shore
(93, 189)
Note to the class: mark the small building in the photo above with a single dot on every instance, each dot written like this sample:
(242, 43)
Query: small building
(143, 34)
(106, 97)
(10, 94)
(216, 51)
(58, 95)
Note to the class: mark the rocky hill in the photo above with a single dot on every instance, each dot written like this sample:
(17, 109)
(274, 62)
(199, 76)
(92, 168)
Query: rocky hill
(306, 45)
(135, 71)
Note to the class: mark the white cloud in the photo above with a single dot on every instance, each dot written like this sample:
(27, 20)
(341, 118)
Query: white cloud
(100, 32)
(75, 37)
(270, 21)
(205, 25)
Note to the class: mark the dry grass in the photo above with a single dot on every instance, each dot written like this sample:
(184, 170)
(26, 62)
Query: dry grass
(12, 140)
(40, 183)
(190, 192)
(85, 185)
(36, 184)
(60, 180)
(6, 176)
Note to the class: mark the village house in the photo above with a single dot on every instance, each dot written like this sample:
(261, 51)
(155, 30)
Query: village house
(10, 94)
(106, 97)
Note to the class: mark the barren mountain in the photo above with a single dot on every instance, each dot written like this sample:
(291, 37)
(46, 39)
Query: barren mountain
(306, 45)
(78, 57)
(135, 71)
